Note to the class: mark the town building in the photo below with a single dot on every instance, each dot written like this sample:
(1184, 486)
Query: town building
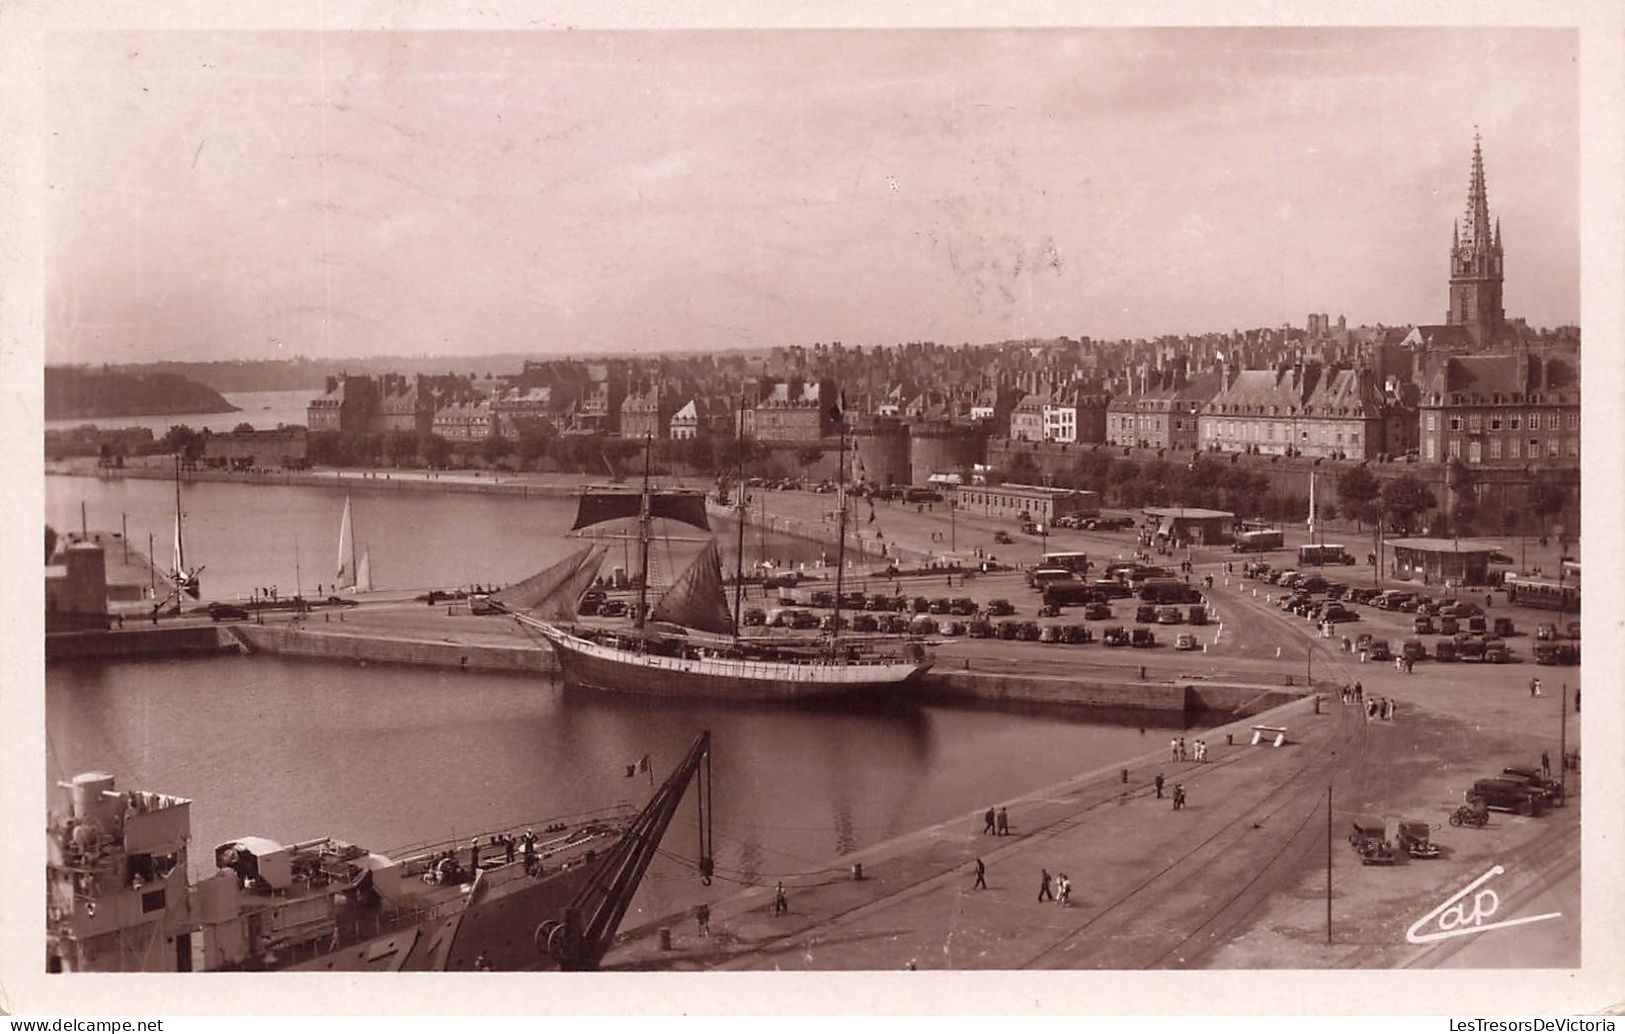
(465, 421)
(518, 408)
(1163, 413)
(406, 404)
(1299, 410)
(1192, 526)
(1036, 503)
(794, 410)
(646, 414)
(246, 450)
(1436, 561)
(687, 423)
(1518, 409)
(348, 404)
(1027, 418)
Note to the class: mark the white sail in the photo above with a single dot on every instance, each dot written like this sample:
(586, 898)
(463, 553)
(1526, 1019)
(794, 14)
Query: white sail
(346, 577)
(363, 572)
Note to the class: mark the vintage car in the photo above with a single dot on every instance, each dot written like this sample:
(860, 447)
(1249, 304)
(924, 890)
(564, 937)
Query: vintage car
(1000, 608)
(1143, 637)
(1415, 839)
(1097, 612)
(1198, 615)
(1186, 641)
(1169, 616)
(1115, 635)
(1369, 838)
(1503, 793)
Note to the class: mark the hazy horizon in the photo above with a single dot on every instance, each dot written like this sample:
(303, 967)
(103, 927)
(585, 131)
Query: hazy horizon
(221, 196)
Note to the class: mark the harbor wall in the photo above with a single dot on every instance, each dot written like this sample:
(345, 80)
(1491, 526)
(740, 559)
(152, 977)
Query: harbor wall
(137, 643)
(1238, 699)
(382, 649)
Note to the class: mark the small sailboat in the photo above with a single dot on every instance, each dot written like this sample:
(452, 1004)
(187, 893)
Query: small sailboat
(185, 578)
(353, 575)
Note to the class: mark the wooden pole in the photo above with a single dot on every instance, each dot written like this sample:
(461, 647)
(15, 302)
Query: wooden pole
(1328, 860)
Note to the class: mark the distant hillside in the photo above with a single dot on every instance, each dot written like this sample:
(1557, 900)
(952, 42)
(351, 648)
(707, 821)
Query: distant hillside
(78, 392)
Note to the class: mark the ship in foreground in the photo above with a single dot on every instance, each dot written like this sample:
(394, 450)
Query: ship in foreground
(120, 901)
(689, 644)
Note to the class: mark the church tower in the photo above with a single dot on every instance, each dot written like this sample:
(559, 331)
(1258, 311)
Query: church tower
(1475, 264)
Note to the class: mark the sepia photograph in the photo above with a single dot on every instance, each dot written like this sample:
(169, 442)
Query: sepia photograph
(722, 499)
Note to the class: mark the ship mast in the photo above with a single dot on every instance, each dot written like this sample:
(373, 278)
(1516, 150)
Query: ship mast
(840, 544)
(180, 540)
(739, 476)
(644, 521)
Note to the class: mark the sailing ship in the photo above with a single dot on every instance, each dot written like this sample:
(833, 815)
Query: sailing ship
(689, 644)
(185, 578)
(119, 897)
(353, 575)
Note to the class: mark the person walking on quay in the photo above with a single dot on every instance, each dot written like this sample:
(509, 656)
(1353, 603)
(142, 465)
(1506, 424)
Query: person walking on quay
(1004, 822)
(1173, 749)
(474, 855)
(1043, 886)
(981, 876)
(990, 829)
(1534, 687)
(1359, 692)
(1157, 782)
(1179, 796)
(1546, 764)
(1064, 883)
(530, 852)
(781, 904)
(702, 919)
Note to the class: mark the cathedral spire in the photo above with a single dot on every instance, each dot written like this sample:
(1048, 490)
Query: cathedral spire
(1478, 201)
(1476, 260)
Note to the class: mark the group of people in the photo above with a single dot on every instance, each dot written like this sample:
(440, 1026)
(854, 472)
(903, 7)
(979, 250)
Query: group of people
(1061, 895)
(1178, 752)
(1179, 788)
(997, 822)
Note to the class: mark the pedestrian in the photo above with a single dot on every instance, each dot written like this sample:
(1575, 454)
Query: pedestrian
(1064, 882)
(1182, 748)
(781, 904)
(530, 852)
(702, 919)
(1534, 687)
(474, 855)
(1546, 764)
(989, 829)
(1158, 783)
(507, 841)
(1173, 750)
(1043, 886)
(1488, 599)
(1179, 796)
(1576, 699)
(981, 876)
(1004, 822)
(1363, 655)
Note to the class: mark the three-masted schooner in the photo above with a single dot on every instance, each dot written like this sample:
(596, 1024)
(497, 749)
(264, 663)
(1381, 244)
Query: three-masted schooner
(689, 644)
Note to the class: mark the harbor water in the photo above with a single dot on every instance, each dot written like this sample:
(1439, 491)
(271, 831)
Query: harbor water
(263, 410)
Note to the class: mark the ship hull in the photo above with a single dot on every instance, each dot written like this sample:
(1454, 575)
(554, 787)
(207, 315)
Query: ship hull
(595, 666)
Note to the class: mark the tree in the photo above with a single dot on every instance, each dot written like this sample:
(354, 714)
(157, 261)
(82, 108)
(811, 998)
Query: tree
(183, 440)
(1357, 491)
(435, 450)
(243, 428)
(1404, 497)
(494, 448)
(1546, 498)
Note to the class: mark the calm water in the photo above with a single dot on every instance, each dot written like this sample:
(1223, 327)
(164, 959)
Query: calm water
(387, 756)
(263, 409)
(254, 535)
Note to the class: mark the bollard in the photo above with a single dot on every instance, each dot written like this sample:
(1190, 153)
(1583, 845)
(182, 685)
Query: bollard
(1229, 739)
(1289, 680)
(665, 938)
(1125, 775)
(1317, 703)
(857, 872)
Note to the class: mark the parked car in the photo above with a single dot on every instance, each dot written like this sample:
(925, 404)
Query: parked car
(1115, 635)
(1449, 626)
(1470, 648)
(1444, 650)
(1337, 613)
(1198, 615)
(1029, 631)
(923, 624)
(853, 601)
(1557, 653)
(979, 629)
(920, 605)
(1414, 650)
(227, 612)
(1506, 794)
(829, 623)
(1530, 776)
(1008, 628)
(803, 619)
(1142, 636)
(753, 616)
(1077, 634)
(1000, 607)
(1097, 612)
(1049, 610)
(1145, 613)
(1423, 625)
(1185, 641)
(964, 606)
(612, 609)
(823, 598)
(1504, 627)
(952, 627)
(1546, 631)
(1381, 651)
(1476, 623)
(1002, 538)
(940, 605)
(1049, 634)
(1170, 616)
(1497, 653)
(893, 623)
(865, 623)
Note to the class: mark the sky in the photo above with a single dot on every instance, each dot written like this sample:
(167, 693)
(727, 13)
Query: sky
(269, 194)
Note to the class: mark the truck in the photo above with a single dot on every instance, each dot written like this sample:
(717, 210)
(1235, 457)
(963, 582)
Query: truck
(1258, 541)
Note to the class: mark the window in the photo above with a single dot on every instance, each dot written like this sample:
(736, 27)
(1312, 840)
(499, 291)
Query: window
(1554, 448)
(1551, 421)
(1475, 421)
(1513, 448)
(1495, 423)
(1534, 448)
(1433, 452)
(1455, 423)
(1433, 419)
(1475, 451)
(1574, 448)
(1534, 421)
(1574, 421)
(1515, 421)
(1455, 448)
(1495, 448)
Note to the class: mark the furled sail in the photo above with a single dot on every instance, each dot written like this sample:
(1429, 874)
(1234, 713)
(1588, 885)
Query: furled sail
(696, 599)
(554, 593)
(598, 507)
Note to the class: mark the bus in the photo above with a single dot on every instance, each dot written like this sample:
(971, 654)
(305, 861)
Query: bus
(1258, 541)
(1164, 591)
(1541, 592)
(1077, 563)
(1319, 556)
